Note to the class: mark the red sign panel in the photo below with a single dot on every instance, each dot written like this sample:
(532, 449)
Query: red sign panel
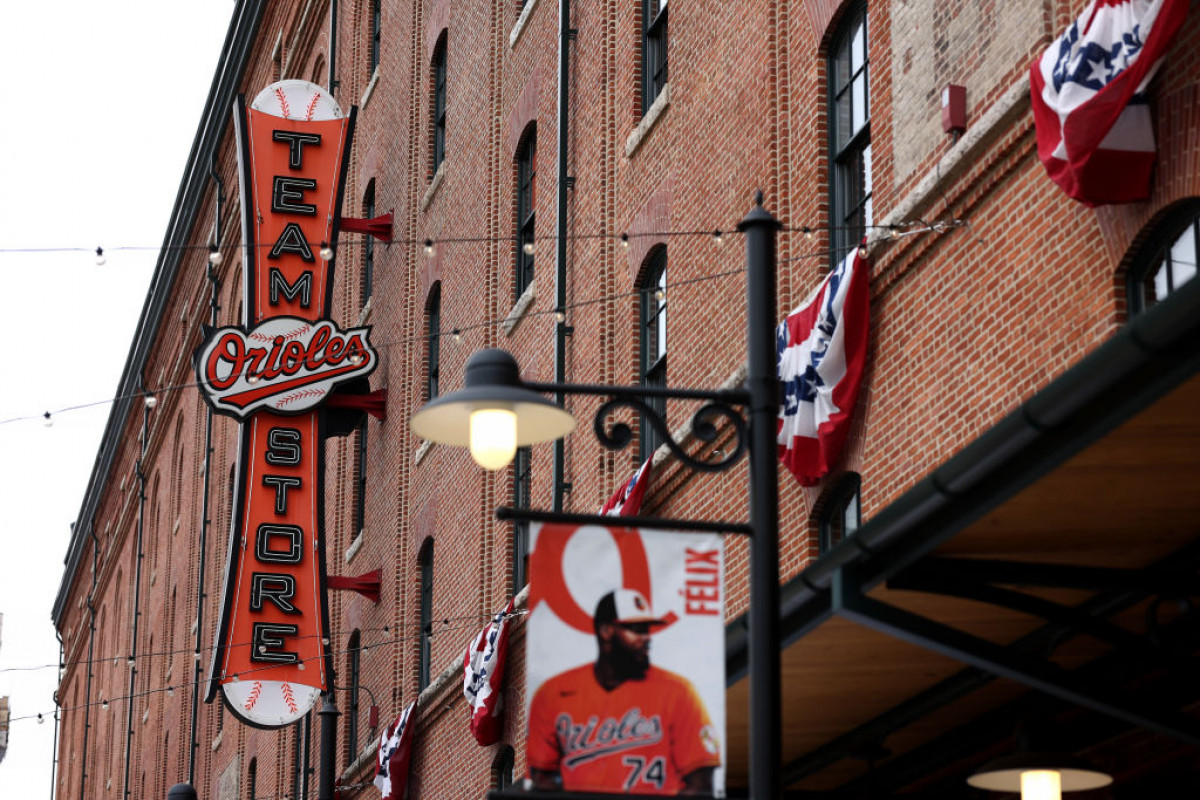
(271, 659)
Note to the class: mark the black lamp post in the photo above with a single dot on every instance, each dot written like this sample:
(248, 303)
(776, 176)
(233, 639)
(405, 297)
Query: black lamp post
(496, 412)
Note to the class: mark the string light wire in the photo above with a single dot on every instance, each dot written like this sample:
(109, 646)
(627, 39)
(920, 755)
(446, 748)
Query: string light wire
(907, 228)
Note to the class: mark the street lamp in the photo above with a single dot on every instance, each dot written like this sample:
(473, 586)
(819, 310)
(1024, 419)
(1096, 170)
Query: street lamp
(493, 414)
(496, 412)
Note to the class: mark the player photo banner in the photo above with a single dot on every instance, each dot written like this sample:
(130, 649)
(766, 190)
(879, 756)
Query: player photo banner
(273, 373)
(625, 658)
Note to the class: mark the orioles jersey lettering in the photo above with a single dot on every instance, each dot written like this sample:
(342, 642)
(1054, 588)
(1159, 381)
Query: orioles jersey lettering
(643, 736)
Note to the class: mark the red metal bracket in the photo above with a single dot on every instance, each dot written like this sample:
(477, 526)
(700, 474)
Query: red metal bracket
(374, 403)
(368, 584)
(379, 227)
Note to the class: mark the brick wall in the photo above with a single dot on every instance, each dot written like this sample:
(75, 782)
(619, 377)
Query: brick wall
(966, 324)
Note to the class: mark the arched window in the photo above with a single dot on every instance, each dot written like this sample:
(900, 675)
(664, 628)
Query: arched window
(368, 273)
(360, 479)
(376, 32)
(502, 768)
(653, 341)
(522, 493)
(839, 511)
(1168, 259)
(433, 352)
(425, 561)
(849, 133)
(252, 779)
(654, 51)
(353, 676)
(438, 105)
(526, 206)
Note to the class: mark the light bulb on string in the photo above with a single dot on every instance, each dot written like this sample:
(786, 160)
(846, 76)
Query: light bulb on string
(456, 334)
(356, 358)
(196, 655)
(326, 252)
(862, 251)
(214, 257)
(528, 247)
(104, 704)
(718, 237)
(660, 294)
(560, 315)
(170, 691)
(130, 661)
(150, 400)
(808, 232)
(625, 240)
(47, 420)
(429, 250)
(252, 378)
(41, 719)
(100, 259)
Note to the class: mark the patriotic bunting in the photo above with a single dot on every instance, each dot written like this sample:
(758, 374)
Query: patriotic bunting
(395, 751)
(822, 350)
(627, 501)
(1094, 131)
(483, 668)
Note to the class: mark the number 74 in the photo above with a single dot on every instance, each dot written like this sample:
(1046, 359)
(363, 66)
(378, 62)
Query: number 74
(654, 774)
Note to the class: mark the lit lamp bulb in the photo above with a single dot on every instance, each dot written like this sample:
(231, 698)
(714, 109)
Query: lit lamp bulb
(214, 257)
(326, 252)
(100, 259)
(528, 248)
(1041, 784)
(493, 437)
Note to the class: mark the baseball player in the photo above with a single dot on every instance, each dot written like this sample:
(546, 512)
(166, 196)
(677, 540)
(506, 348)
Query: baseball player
(620, 724)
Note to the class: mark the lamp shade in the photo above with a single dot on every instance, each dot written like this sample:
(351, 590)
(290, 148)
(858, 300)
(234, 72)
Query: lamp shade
(492, 382)
(1004, 774)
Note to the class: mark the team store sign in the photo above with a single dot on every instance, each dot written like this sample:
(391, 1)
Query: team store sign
(271, 658)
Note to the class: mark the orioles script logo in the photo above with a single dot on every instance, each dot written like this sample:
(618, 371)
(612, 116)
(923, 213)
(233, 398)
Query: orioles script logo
(583, 742)
(286, 364)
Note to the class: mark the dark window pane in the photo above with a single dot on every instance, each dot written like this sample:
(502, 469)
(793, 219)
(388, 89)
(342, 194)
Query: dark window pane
(426, 631)
(433, 366)
(653, 348)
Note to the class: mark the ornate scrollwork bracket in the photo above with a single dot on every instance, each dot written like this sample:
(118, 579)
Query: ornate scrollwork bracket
(707, 423)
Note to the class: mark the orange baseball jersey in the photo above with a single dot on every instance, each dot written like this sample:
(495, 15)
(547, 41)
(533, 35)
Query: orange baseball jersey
(641, 737)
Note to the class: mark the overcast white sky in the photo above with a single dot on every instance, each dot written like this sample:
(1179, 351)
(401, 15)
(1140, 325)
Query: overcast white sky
(102, 104)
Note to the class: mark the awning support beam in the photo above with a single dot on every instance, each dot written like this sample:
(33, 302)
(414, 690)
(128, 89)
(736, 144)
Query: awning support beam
(850, 602)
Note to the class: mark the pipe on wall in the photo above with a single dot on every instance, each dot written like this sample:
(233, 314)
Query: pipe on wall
(561, 329)
(137, 600)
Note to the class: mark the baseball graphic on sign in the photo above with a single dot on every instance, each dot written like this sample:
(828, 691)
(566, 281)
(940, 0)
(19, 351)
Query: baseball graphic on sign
(626, 661)
(301, 100)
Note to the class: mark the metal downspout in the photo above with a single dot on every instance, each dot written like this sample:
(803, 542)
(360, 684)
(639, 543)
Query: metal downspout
(57, 706)
(87, 698)
(213, 314)
(561, 329)
(137, 601)
(333, 81)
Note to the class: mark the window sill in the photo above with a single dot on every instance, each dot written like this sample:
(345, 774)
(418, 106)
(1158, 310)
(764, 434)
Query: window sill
(422, 451)
(519, 27)
(355, 546)
(370, 90)
(649, 120)
(217, 741)
(438, 176)
(520, 308)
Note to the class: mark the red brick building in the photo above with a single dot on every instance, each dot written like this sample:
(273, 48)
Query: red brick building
(1029, 396)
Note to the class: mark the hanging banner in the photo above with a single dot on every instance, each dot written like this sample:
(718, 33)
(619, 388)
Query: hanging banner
(1095, 135)
(271, 656)
(625, 658)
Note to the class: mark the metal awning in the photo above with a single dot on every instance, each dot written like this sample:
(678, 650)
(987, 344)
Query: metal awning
(1044, 576)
